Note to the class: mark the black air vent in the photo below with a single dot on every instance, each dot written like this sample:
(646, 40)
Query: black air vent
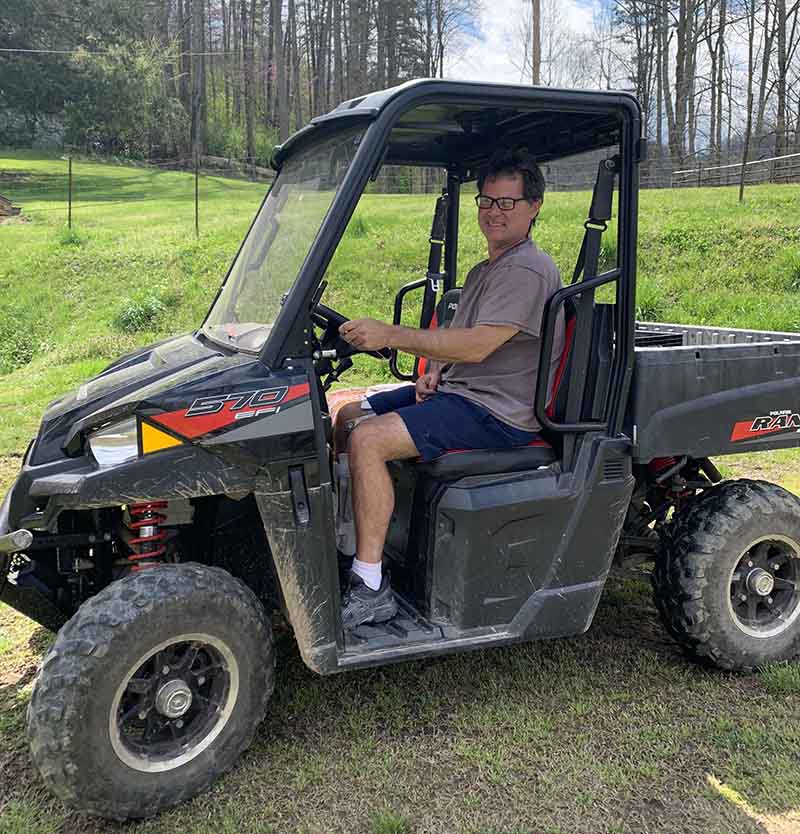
(614, 470)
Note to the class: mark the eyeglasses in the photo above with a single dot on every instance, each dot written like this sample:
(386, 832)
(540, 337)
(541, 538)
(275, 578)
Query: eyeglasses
(482, 201)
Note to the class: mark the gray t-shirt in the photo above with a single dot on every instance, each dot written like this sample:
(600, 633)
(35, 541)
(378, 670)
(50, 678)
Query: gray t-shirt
(512, 290)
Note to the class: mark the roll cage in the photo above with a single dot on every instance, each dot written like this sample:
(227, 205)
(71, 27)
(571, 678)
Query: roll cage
(457, 126)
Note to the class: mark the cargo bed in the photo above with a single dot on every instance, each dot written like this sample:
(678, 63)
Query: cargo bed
(704, 391)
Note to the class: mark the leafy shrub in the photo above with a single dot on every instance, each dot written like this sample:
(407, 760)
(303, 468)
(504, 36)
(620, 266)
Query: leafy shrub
(119, 103)
(358, 226)
(788, 264)
(70, 237)
(19, 341)
(139, 313)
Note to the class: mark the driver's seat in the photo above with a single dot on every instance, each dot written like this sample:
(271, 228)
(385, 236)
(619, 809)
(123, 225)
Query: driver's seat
(461, 463)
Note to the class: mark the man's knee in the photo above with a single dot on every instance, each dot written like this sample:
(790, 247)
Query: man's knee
(385, 437)
(363, 437)
(347, 418)
(349, 411)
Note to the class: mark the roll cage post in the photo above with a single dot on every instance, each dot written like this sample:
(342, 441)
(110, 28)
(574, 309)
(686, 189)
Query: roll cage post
(444, 236)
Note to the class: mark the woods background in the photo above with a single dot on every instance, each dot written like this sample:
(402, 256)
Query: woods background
(717, 79)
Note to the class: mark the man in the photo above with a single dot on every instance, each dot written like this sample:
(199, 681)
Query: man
(479, 387)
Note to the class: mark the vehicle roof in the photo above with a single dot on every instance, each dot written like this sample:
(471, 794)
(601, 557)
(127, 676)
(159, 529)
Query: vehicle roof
(462, 122)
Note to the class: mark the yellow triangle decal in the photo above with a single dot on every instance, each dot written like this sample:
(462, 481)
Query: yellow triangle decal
(153, 439)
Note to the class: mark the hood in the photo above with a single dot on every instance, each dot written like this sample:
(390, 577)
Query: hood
(121, 387)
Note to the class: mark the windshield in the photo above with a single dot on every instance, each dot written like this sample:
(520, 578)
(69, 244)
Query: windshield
(279, 240)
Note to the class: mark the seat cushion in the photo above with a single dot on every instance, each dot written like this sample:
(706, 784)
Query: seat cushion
(459, 463)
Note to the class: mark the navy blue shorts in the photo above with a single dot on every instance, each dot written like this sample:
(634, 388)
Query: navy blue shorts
(446, 421)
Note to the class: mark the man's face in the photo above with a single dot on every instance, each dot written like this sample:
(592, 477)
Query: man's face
(505, 228)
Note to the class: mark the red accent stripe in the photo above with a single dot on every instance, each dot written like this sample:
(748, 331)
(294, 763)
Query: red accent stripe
(562, 366)
(192, 427)
(742, 431)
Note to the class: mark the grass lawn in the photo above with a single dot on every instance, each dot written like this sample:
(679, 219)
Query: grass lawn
(611, 732)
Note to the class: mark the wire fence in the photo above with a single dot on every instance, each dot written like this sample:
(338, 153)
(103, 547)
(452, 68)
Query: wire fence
(776, 169)
(71, 194)
(577, 174)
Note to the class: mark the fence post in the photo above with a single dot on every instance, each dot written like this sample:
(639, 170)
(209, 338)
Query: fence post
(69, 203)
(197, 194)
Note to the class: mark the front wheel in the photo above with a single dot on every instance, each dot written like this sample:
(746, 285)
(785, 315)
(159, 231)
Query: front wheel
(727, 575)
(151, 691)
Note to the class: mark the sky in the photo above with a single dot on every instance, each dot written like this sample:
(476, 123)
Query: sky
(486, 56)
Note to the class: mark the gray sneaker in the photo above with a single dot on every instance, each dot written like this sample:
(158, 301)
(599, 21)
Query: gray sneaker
(361, 604)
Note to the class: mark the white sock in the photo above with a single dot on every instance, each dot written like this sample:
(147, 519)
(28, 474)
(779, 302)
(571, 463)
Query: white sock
(369, 572)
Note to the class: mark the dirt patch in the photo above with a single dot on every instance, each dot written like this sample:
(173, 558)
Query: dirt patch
(14, 176)
(9, 467)
(10, 221)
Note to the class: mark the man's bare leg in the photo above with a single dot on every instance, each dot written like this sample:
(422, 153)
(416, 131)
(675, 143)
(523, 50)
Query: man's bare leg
(372, 444)
(346, 414)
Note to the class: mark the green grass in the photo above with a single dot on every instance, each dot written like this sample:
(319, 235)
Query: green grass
(611, 732)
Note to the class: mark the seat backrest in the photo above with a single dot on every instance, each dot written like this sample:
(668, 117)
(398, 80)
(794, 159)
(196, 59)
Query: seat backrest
(600, 320)
(559, 390)
(442, 316)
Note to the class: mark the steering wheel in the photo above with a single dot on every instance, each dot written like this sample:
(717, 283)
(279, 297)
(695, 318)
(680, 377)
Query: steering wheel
(330, 321)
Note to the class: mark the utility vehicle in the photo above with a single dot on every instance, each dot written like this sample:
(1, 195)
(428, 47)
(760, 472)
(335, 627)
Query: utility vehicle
(171, 505)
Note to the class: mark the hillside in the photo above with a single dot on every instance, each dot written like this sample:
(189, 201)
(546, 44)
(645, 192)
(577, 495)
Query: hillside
(131, 271)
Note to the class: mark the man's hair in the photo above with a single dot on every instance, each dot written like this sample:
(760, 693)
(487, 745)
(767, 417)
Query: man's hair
(507, 162)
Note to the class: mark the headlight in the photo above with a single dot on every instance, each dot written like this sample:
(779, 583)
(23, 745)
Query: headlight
(116, 443)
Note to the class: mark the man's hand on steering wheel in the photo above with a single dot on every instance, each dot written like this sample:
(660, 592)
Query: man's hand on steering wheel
(332, 323)
(366, 334)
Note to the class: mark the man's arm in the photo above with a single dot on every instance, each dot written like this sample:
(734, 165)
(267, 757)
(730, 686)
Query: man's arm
(450, 344)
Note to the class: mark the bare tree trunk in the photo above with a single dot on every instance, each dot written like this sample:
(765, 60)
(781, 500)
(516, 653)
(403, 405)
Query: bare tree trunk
(391, 45)
(440, 24)
(751, 32)
(694, 104)
(659, 91)
(280, 70)
(236, 61)
(338, 62)
(684, 76)
(248, 38)
(780, 116)
(380, 45)
(723, 17)
(326, 41)
(203, 83)
(536, 42)
(272, 70)
(665, 85)
(197, 78)
(295, 50)
(185, 25)
(225, 47)
(766, 55)
(729, 140)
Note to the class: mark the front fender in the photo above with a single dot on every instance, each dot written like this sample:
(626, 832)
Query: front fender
(304, 553)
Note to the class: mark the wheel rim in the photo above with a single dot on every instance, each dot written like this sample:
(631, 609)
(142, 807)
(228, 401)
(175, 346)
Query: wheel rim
(173, 702)
(764, 597)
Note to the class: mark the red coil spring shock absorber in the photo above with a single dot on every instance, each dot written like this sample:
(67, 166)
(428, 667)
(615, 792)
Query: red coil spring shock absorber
(147, 545)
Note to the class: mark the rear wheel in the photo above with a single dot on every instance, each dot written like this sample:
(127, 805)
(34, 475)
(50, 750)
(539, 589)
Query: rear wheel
(727, 575)
(151, 691)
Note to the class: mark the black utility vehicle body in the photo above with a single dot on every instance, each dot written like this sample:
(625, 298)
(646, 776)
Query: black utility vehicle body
(171, 505)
